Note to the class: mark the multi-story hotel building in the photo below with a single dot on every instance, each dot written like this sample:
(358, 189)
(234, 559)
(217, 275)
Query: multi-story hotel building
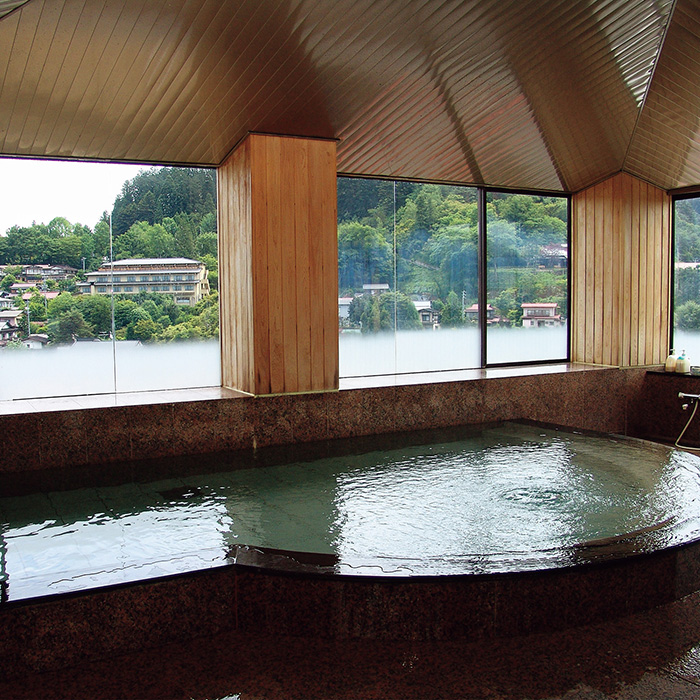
(183, 279)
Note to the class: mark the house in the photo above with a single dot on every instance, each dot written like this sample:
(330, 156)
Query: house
(374, 289)
(35, 341)
(43, 273)
(344, 307)
(9, 328)
(471, 313)
(183, 279)
(540, 315)
(428, 316)
(555, 255)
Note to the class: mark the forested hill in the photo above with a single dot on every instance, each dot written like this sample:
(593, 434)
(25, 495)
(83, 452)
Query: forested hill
(160, 213)
(159, 193)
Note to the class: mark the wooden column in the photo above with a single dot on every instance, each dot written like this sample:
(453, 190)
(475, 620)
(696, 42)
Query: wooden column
(278, 265)
(621, 275)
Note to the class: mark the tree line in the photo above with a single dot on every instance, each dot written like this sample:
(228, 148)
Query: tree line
(687, 280)
(160, 213)
(422, 240)
(147, 317)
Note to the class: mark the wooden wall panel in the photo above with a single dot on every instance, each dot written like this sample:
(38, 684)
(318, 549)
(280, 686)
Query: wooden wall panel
(235, 268)
(280, 257)
(621, 243)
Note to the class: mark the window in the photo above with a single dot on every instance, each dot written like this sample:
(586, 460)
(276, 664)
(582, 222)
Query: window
(409, 287)
(74, 305)
(686, 289)
(526, 277)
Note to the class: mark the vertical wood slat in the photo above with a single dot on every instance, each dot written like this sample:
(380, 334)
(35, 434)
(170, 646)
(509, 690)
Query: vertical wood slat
(279, 257)
(622, 257)
(589, 253)
(634, 274)
(638, 224)
(665, 319)
(608, 263)
(235, 279)
(578, 279)
(626, 323)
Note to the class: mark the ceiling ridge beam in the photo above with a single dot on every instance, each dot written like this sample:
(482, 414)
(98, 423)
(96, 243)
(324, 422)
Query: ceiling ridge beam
(647, 90)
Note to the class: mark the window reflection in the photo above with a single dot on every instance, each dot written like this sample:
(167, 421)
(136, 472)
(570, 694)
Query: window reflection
(408, 259)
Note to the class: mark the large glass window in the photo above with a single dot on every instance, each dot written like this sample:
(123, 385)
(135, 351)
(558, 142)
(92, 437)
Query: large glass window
(526, 277)
(72, 321)
(686, 296)
(407, 266)
(409, 288)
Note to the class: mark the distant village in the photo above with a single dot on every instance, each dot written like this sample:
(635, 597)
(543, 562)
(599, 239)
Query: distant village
(185, 280)
(535, 315)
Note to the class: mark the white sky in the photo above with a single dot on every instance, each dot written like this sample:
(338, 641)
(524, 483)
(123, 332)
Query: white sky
(39, 190)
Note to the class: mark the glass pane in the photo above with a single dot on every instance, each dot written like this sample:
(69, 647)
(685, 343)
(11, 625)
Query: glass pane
(437, 272)
(366, 280)
(407, 270)
(526, 279)
(686, 298)
(56, 302)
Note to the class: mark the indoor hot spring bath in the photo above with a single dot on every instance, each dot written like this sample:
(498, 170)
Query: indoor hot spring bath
(472, 532)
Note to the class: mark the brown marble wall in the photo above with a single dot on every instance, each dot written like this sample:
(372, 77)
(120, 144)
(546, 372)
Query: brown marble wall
(658, 412)
(88, 439)
(59, 631)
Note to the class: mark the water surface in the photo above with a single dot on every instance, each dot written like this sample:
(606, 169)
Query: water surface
(508, 498)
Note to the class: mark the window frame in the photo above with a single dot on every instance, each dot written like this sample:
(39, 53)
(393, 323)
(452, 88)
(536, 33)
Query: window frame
(482, 192)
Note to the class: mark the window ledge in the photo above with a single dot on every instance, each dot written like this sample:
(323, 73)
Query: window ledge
(463, 375)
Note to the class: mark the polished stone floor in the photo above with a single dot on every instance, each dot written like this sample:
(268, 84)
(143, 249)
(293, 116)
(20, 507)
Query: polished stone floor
(654, 656)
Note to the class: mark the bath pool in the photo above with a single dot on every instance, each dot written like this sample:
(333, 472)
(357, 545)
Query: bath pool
(502, 499)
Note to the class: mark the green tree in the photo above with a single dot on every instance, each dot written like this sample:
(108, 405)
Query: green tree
(207, 244)
(371, 318)
(97, 311)
(364, 256)
(124, 312)
(451, 314)
(61, 304)
(144, 329)
(687, 316)
(397, 311)
(7, 281)
(69, 326)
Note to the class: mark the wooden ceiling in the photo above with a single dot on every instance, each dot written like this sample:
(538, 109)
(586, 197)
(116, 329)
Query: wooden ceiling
(540, 94)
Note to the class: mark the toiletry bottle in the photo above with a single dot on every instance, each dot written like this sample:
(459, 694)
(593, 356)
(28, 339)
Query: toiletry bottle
(670, 365)
(682, 364)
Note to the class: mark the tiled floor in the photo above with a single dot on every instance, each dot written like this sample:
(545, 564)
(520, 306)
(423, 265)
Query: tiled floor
(652, 657)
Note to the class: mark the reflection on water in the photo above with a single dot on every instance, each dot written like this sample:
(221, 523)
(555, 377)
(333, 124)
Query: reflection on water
(88, 368)
(508, 498)
(446, 349)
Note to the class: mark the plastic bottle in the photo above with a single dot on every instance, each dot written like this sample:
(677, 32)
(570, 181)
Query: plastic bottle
(670, 365)
(682, 364)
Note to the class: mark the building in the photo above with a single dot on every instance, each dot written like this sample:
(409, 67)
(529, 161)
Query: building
(35, 341)
(540, 315)
(9, 329)
(43, 273)
(471, 313)
(344, 307)
(375, 289)
(428, 316)
(183, 279)
(555, 255)
(597, 100)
